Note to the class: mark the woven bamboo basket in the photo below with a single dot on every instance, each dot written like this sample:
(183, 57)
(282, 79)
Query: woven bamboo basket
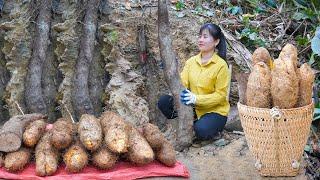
(276, 137)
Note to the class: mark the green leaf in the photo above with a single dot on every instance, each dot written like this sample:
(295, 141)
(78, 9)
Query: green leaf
(220, 2)
(199, 9)
(300, 3)
(234, 10)
(246, 19)
(317, 117)
(311, 60)
(302, 41)
(180, 5)
(210, 13)
(316, 111)
(317, 33)
(308, 148)
(223, 2)
(272, 3)
(253, 3)
(253, 36)
(315, 45)
(309, 13)
(260, 9)
(299, 16)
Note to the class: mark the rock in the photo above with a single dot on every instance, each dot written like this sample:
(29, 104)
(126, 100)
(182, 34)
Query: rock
(233, 122)
(234, 94)
(242, 79)
(220, 142)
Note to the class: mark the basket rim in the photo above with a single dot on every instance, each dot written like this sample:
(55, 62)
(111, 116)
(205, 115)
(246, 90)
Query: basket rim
(291, 109)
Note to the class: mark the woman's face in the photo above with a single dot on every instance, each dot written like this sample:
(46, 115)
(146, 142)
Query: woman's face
(206, 42)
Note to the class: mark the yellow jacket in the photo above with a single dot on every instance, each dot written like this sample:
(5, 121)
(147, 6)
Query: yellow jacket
(209, 82)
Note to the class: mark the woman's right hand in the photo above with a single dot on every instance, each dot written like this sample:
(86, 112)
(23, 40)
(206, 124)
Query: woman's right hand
(187, 97)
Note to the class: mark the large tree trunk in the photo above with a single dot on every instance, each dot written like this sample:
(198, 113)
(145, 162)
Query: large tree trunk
(4, 79)
(152, 83)
(12, 130)
(81, 98)
(66, 50)
(33, 94)
(183, 128)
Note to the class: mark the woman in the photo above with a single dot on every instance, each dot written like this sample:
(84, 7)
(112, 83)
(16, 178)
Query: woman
(206, 79)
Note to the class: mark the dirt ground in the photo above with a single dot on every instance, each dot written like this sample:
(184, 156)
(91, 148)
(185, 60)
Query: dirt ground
(231, 161)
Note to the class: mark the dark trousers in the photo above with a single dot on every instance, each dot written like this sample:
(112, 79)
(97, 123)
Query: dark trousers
(206, 127)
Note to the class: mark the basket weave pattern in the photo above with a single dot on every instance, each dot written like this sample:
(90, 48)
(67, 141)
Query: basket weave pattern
(276, 143)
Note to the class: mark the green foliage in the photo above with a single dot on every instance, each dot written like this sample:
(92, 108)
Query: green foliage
(199, 10)
(301, 40)
(180, 5)
(272, 3)
(248, 10)
(246, 19)
(251, 38)
(249, 35)
(304, 14)
(259, 6)
(307, 10)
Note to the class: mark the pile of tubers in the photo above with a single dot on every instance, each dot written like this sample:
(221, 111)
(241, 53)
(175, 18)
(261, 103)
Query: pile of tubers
(100, 141)
(280, 83)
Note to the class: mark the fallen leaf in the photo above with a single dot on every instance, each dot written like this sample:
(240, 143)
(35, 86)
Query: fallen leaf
(127, 5)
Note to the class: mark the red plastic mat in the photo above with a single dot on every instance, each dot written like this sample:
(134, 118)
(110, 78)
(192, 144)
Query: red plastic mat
(122, 170)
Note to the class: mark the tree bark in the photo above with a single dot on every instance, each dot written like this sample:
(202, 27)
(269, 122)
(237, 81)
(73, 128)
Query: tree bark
(96, 82)
(183, 128)
(152, 83)
(4, 79)
(81, 99)
(33, 93)
(12, 130)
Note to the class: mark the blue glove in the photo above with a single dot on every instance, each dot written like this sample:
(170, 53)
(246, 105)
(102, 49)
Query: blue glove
(187, 97)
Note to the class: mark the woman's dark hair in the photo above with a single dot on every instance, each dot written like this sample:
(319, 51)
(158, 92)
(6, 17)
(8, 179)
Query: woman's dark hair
(216, 33)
